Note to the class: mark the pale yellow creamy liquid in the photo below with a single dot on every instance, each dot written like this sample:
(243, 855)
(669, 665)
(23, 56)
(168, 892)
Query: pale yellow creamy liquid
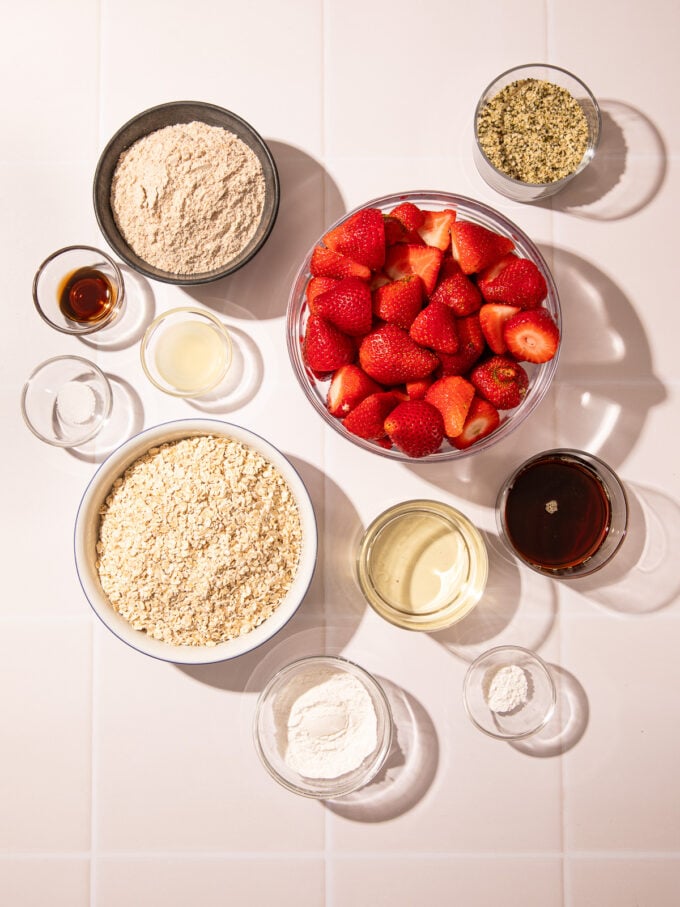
(191, 356)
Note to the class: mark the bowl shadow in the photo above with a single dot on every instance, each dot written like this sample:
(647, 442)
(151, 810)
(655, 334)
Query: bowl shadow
(126, 420)
(568, 723)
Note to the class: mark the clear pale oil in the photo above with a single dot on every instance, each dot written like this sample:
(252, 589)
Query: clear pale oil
(190, 356)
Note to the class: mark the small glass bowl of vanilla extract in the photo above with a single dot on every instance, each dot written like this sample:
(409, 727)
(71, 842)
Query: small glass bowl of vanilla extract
(78, 290)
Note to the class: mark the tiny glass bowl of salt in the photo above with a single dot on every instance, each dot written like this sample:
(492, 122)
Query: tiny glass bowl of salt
(509, 693)
(323, 727)
(66, 401)
(186, 352)
(536, 128)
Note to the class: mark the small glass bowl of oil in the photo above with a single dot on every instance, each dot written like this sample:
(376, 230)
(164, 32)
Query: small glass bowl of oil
(422, 565)
(78, 290)
(186, 352)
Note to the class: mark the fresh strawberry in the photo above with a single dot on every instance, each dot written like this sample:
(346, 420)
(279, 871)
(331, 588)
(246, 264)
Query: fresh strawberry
(395, 231)
(459, 293)
(348, 305)
(435, 229)
(517, 281)
(452, 396)
(501, 381)
(349, 386)
(379, 279)
(327, 263)
(416, 390)
(471, 345)
(492, 319)
(405, 259)
(367, 418)
(532, 335)
(435, 327)
(389, 356)
(449, 267)
(410, 216)
(324, 347)
(475, 247)
(317, 286)
(361, 237)
(399, 301)
(416, 427)
(482, 419)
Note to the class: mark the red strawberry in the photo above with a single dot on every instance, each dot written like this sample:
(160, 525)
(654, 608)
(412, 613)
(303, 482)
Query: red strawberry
(405, 259)
(389, 356)
(348, 305)
(315, 287)
(349, 386)
(471, 345)
(459, 293)
(399, 301)
(492, 319)
(416, 390)
(410, 216)
(515, 281)
(452, 396)
(361, 237)
(482, 419)
(379, 279)
(367, 418)
(327, 263)
(501, 381)
(435, 229)
(449, 267)
(416, 427)
(435, 327)
(395, 231)
(474, 247)
(532, 335)
(324, 347)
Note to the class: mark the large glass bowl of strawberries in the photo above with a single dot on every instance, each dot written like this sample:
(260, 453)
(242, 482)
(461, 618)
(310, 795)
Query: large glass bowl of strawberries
(424, 325)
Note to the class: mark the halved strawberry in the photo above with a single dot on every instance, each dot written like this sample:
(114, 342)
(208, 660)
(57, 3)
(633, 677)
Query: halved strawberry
(410, 216)
(367, 419)
(347, 305)
(501, 381)
(405, 259)
(471, 346)
(399, 301)
(416, 390)
(449, 267)
(389, 356)
(395, 231)
(324, 347)
(492, 319)
(327, 263)
(379, 279)
(475, 247)
(452, 396)
(435, 327)
(317, 286)
(349, 386)
(532, 335)
(459, 293)
(435, 229)
(416, 427)
(361, 237)
(515, 281)
(482, 419)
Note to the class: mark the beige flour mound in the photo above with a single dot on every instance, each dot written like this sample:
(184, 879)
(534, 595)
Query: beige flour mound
(188, 198)
(199, 541)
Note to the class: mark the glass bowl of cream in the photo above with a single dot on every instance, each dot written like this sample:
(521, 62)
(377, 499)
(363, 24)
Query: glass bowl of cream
(323, 727)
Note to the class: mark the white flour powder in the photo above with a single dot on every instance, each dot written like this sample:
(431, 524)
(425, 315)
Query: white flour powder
(508, 689)
(327, 724)
(188, 198)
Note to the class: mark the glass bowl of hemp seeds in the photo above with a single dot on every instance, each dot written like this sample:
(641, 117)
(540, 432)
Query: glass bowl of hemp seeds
(536, 128)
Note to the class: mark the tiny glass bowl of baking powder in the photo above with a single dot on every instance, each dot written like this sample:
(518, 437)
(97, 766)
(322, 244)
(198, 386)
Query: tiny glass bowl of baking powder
(323, 727)
(66, 401)
(536, 128)
(509, 693)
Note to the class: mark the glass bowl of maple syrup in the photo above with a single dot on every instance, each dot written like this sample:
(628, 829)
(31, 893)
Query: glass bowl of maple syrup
(563, 512)
(78, 290)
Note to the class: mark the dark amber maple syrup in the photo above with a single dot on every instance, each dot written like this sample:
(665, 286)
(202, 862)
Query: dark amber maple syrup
(557, 513)
(86, 295)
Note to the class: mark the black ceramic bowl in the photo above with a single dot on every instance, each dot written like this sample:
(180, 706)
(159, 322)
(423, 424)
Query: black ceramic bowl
(168, 115)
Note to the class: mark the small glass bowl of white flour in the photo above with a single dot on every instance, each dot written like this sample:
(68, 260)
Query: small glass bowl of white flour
(323, 727)
(509, 693)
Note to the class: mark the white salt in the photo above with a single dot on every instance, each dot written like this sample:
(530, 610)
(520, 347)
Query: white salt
(76, 402)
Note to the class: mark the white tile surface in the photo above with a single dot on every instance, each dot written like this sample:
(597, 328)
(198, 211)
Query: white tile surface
(127, 780)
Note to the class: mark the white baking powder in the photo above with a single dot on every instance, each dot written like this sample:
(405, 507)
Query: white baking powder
(507, 689)
(76, 402)
(328, 724)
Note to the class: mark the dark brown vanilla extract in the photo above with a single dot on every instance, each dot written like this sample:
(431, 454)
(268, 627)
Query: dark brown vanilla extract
(86, 296)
